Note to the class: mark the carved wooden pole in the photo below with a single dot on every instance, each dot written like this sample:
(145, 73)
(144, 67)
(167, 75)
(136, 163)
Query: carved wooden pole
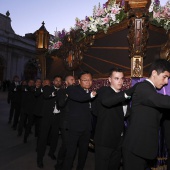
(137, 36)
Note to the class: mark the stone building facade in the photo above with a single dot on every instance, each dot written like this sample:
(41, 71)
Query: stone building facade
(17, 53)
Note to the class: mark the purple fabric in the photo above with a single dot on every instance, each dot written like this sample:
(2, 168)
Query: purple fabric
(165, 90)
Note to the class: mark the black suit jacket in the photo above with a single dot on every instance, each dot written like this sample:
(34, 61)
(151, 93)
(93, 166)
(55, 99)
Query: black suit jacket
(28, 99)
(49, 101)
(110, 117)
(62, 102)
(38, 101)
(14, 93)
(143, 132)
(79, 114)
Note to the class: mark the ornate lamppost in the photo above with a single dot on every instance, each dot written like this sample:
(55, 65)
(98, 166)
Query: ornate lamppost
(42, 40)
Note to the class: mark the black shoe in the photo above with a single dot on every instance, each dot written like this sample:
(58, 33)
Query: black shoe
(52, 156)
(40, 164)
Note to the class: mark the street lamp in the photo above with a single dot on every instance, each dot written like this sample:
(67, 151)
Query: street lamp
(42, 37)
(42, 41)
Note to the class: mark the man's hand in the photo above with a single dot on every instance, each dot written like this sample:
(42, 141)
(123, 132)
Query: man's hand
(55, 92)
(131, 90)
(94, 93)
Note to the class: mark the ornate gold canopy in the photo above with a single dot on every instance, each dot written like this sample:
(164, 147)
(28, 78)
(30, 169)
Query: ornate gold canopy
(133, 3)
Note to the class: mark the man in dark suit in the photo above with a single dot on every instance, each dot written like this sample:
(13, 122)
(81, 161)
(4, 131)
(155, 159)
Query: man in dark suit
(110, 122)
(14, 97)
(38, 105)
(79, 121)
(50, 121)
(62, 101)
(28, 104)
(141, 138)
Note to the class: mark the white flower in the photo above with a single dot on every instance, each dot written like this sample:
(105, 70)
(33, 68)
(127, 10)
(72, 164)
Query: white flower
(113, 17)
(98, 21)
(151, 6)
(93, 27)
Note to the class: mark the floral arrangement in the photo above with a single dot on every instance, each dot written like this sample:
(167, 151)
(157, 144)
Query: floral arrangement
(102, 19)
(106, 16)
(55, 41)
(160, 15)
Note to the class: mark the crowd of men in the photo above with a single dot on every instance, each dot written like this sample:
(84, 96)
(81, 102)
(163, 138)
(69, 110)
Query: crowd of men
(52, 108)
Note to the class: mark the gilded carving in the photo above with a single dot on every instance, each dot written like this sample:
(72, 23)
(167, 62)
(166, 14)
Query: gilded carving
(165, 50)
(137, 37)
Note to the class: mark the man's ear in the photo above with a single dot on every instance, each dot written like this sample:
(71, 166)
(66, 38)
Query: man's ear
(154, 73)
(79, 81)
(109, 79)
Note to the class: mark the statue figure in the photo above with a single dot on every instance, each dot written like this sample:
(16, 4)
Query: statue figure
(137, 68)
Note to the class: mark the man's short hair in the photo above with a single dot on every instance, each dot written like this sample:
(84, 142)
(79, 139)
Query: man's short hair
(82, 73)
(69, 75)
(57, 76)
(115, 69)
(159, 65)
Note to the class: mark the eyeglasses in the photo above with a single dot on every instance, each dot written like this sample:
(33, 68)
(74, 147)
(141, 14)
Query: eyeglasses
(85, 80)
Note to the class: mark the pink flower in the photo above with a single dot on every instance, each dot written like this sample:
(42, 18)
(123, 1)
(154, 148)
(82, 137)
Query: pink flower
(156, 14)
(57, 45)
(85, 25)
(166, 12)
(78, 23)
(115, 10)
(105, 20)
(99, 12)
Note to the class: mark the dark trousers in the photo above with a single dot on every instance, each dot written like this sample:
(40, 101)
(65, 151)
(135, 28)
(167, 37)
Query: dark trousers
(49, 128)
(108, 158)
(62, 150)
(30, 122)
(11, 111)
(16, 115)
(133, 162)
(37, 121)
(94, 121)
(22, 121)
(14, 112)
(74, 139)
